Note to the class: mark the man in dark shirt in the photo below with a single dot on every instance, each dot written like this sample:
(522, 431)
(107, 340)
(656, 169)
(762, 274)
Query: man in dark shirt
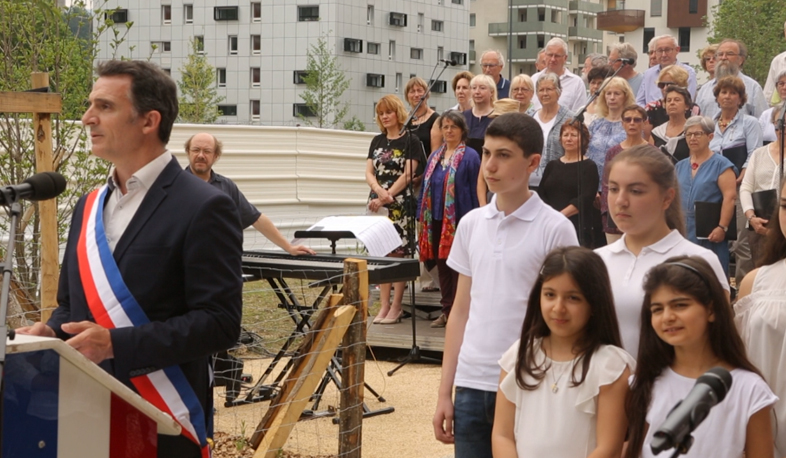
(203, 151)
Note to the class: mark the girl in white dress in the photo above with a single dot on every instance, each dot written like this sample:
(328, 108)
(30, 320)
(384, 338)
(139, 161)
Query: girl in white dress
(563, 384)
(687, 328)
(761, 316)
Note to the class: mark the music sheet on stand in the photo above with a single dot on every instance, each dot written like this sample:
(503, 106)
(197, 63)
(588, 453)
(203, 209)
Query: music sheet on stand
(376, 232)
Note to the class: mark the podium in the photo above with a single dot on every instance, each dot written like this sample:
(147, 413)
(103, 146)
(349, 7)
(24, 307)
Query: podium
(58, 404)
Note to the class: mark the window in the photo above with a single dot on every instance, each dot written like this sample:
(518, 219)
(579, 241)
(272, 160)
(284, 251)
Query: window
(399, 78)
(298, 76)
(471, 45)
(168, 71)
(256, 77)
(421, 18)
(459, 57)
(555, 17)
(392, 50)
(684, 39)
(255, 110)
(693, 6)
(375, 80)
(200, 43)
(416, 53)
(440, 87)
(308, 13)
(522, 42)
(188, 14)
(353, 45)
(656, 8)
(370, 14)
(440, 53)
(233, 44)
(397, 19)
(256, 44)
(437, 26)
(523, 15)
(372, 48)
(161, 46)
(541, 41)
(256, 11)
(221, 77)
(302, 110)
(541, 14)
(166, 14)
(227, 110)
(649, 34)
(458, 2)
(118, 16)
(226, 13)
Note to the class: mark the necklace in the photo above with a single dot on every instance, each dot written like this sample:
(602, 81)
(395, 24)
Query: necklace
(554, 387)
(723, 124)
(445, 161)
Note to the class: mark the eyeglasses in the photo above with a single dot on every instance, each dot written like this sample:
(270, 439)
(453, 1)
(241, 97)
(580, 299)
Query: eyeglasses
(663, 84)
(554, 56)
(489, 65)
(664, 50)
(780, 84)
(521, 89)
(206, 152)
(695, 134)
(709, 58)
(721, 55)
(631, 119)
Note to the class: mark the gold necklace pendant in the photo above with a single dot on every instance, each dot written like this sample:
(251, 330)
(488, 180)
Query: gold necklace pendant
(554, 387)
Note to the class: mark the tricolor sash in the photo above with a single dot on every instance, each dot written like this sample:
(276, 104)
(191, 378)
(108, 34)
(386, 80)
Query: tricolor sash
(113, 306)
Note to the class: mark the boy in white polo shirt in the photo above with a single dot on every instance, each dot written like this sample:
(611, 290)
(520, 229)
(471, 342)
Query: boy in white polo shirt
(497, 251)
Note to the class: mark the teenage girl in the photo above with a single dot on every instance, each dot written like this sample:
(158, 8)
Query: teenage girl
(563, 384)
(687, 328)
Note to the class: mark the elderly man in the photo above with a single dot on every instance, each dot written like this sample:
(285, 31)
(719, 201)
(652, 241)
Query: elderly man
(730, 58)
(492, 62)
(666, 50)
(156, 287)
(203, 151)
(574, 93)
(628, 71)
(593, 60)
(777, 67)
(540, 64)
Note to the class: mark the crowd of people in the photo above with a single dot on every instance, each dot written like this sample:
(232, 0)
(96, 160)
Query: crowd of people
(664, 178)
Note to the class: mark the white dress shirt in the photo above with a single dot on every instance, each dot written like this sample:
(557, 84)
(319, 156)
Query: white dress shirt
(574, 93)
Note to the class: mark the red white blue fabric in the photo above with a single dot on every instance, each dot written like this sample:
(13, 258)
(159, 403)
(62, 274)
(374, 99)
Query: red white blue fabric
(113, 306)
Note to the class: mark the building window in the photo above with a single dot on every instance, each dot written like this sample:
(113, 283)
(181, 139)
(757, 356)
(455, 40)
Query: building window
(399, 78)
(299, 76)
(256, 44)
(523, 15)
(472, 20)
(684, 39)
(226, 13)
(375, 80)
(168, 71)
(161, 46)
(372, 48)
(523, 42)
(255, 110)
(541, 14)
(200, 43)
(459, 57)
(541, 41)
(440, 53)
(118, 16)
(421, 19)
(353, 45)
(308, 13)
(166, 14)
(656, 8)
(256, 11)
(458, 2)
(397, 19)
(649, 34)
(416, 53)
(301, 109)
(392, 50)
(370, 14)
(221, 77)
(233, 44)
(256, 77)
(227, 110)
(437, 26)
(188, 14)
(555, 17)
(440, 87)
(693, 6)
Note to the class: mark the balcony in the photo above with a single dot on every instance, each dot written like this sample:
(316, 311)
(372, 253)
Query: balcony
(524, 55)
(584, 34)
(500, 29)
(587, 7)
(522, 3)
(620, 21)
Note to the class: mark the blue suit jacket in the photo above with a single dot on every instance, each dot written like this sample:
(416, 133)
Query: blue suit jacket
(180, 257)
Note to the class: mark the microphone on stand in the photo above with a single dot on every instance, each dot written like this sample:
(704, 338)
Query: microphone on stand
(450, 62)
(41, 186)
(624, 60)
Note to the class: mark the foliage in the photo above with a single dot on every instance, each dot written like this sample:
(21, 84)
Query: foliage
(198, 96)
(758, 24)
(355, 124)
(36, 36)
(325, 85)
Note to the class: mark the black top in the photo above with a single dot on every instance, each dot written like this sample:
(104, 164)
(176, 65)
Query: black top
(559, 188)
(423, 132)
(476, 130)
(248, 213)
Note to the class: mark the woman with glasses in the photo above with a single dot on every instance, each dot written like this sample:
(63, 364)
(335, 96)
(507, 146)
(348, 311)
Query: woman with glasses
(708, 178)
(607, 131)
(550, 116)
(522, 89)
(672, 75)
(767, 127)
(670, 136)
(708, 60)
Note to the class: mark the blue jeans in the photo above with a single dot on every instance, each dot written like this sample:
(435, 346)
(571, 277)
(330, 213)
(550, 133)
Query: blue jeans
(473, 418)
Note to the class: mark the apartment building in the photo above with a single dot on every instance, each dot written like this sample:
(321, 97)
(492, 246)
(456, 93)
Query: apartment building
(259, 48)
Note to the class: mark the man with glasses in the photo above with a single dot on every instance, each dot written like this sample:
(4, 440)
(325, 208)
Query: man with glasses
(666, 50)
(203, 151)
(777, 67)
(492, 62)
(730, 57)
(574, 93)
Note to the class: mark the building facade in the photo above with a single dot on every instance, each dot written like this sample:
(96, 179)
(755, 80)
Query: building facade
(259, 48)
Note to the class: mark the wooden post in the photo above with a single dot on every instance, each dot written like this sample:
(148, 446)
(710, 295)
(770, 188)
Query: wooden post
(353, 360)
(42, 128)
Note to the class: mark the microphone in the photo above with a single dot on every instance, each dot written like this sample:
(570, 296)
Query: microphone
(449, 61)
(41, 186)
(624, 60)
(709, 390)
(779, 123)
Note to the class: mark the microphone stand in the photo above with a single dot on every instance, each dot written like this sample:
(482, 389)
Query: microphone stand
(781, 124)
(414, 352)
(580, 118)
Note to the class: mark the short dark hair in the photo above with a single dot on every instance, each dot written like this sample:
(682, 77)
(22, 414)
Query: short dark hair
(151, 89)
(581, 128)
(637, 108)
(735, 84)
(519, 128)
(681, 91)
(458, 120)
(601, 72)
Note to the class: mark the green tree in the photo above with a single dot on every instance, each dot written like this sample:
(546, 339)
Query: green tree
(36, 36)
(198, 96)
(758, 24)
(325, 86)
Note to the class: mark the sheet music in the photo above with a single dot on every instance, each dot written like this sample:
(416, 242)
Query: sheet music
(377, 233)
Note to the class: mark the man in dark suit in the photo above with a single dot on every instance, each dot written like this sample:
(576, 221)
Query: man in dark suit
(176, 244)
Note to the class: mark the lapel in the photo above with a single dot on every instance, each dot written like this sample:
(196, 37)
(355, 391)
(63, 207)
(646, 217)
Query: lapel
(155, 196)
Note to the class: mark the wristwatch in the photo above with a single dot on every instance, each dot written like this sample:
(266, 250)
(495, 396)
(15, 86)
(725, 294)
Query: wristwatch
(725, 228)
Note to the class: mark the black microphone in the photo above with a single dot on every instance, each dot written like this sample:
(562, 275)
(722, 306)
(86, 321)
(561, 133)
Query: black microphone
(709, 390)
(41, 186)
(449, 61)
(624, 60)
(779, 123)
